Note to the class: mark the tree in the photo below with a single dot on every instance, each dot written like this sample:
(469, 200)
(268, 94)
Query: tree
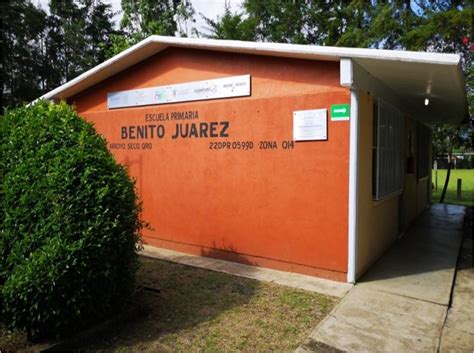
(142, 18)
(22, 27)
(354, 23)
(447, 28)
(297, 21)
(285, 21)
(65, 41)
(99, 30)
(78, 36)
(378, 24)
(41, 52)
(446, 139)
(230, 26)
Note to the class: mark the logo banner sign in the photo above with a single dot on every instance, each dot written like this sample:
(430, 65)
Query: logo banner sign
(234, 86)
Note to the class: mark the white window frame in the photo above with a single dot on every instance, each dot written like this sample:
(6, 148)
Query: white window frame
(389, 151)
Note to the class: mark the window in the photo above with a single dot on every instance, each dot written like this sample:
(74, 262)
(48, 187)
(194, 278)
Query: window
(423, 146)
(387, 152)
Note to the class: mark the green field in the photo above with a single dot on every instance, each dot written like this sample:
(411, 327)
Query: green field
(467, 176)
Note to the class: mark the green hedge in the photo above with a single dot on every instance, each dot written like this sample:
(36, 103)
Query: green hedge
(70, 222)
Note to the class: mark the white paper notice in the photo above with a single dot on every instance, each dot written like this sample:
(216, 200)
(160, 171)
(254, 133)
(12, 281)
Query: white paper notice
(310, 125)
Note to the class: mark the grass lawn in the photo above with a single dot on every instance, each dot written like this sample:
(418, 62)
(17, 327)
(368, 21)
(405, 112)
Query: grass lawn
(201, 310)
(467, 176)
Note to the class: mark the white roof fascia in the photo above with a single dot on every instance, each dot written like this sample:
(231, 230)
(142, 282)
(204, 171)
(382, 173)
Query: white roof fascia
(154, 44)
(312, 50)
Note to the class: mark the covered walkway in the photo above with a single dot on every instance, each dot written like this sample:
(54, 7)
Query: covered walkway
(402, 303)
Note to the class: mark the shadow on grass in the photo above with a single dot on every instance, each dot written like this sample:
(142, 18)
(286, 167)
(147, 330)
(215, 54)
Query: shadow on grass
(188, 297)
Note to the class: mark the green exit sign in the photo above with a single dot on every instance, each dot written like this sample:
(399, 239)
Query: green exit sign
(340, 111)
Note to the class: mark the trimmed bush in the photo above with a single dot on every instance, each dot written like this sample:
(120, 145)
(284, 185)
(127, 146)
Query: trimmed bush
(70, 222)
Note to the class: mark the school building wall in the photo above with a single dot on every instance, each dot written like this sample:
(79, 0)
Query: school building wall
(381, 222)
(283, 208)
(377, 220)
(409, 209)
(417, 191)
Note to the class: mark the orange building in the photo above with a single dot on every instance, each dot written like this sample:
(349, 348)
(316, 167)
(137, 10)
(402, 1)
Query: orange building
(299, 158)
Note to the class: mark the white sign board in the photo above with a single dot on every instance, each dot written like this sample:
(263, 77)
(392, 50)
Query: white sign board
(234, 86)
(310, 125)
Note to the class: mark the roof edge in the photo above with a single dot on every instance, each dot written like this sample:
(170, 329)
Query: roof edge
(340, 52)
(157, 43)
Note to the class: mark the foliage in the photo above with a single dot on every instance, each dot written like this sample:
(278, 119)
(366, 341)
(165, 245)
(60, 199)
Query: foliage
(22, 27)
(41, 52)
(421, 25)
(355, 23)
(447, 27)
(280, 21)
(230, 26)
(142, 18)
(450, 138)
(70, 222)
(150, 17)
(77, 34)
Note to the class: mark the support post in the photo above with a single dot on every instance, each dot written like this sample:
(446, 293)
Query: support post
(458, 190)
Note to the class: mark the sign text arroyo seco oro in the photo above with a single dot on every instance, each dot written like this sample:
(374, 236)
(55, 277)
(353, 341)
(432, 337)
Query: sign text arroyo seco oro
(234, 86)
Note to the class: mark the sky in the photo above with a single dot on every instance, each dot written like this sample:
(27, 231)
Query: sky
(210, 8)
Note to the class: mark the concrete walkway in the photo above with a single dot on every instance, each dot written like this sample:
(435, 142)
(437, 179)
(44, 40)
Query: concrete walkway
(401, 305)
(294, 280)
(458, 332)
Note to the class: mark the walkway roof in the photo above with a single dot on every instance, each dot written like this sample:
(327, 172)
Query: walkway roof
(412, 76)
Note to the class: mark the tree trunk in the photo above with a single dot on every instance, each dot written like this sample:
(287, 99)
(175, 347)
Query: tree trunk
(446, 182)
